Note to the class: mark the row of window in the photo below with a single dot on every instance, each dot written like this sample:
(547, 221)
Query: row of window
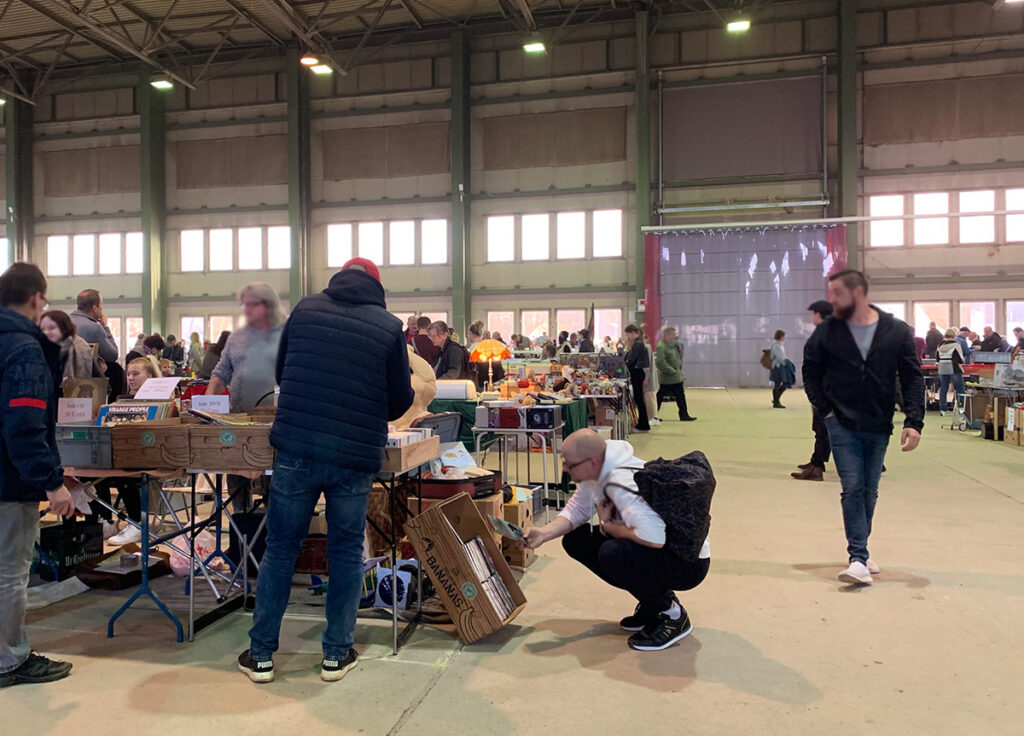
(394, 243)
(88, 254)
(928, 222)
(973, 314)
(536, 322)
(220, 249)
(569, 235)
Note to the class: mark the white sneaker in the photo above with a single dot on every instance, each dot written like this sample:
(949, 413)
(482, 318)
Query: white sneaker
(945, 413)
(655, 421)
(129, 535)
(872, 567)
(857, 574)
(109, 529)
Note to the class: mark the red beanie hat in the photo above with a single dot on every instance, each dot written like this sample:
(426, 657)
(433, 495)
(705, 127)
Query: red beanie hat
(368, 265)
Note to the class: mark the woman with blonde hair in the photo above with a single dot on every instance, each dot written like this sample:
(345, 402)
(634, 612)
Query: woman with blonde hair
(195, 354)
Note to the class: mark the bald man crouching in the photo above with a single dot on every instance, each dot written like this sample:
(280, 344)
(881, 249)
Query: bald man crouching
(627, 549)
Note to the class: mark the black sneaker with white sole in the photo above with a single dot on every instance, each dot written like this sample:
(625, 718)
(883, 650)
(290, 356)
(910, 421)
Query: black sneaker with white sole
(35, 669)
(332, 670)
(641, 617)
(256, 671)
(662, 634)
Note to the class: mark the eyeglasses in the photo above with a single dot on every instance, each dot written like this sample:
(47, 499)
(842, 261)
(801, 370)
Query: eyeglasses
(570, 466)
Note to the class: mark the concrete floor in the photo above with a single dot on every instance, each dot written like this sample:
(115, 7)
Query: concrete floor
(779, 645)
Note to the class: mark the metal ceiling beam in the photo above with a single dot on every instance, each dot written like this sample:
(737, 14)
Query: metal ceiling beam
(255, 22)
(369, 32)
(287, 14)
(412, 14)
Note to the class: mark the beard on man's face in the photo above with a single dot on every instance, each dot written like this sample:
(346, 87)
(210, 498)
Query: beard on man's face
(845, 312)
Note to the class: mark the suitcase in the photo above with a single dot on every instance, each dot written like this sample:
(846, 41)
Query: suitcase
(443, 488)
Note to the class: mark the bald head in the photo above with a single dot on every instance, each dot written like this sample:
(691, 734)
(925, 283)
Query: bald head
(583, 444)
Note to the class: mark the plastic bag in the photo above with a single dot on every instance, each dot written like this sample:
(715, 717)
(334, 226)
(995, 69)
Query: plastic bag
(205, 546)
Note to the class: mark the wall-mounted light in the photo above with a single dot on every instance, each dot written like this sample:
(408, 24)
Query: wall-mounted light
(161, 83)
(738, 26)
(309, 59)
(534, 45)
(321, 69)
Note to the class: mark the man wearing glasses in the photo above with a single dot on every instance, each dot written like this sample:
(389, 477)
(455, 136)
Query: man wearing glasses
(627, 548)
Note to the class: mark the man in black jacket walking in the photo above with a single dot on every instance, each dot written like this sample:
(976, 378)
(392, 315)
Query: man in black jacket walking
(851, 365)
(815, 469)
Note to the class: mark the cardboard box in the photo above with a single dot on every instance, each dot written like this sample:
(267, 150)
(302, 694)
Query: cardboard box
(438, 535)
(604, 416)
(160, 445)
(1012, 437)
(399, 459)
(216, 447)
(519, 513)
(515, 556)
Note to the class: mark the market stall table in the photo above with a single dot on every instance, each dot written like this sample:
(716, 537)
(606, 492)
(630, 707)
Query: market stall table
(575, 415)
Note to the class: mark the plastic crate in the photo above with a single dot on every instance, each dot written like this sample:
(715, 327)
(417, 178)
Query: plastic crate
(83, 446)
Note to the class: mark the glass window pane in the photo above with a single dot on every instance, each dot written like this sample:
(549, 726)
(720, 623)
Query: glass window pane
(114, 324)
(571, 320)
(536, 234)
(192, 250)
(402, 243)
(250, 248)
(437, 317)
(978, 229)
(132, 330)
(222, 249)
(501, 238)
(931, 203)
(928, 312)
(339, 244)
(1014, 318)
(607, 323)
(535, 323)
(371, 241)
(404, 317)
(133, 253)
(607, 233)
(885, 233)
(886, 205)
(502, 323)
(57, 255)
(219, 324)
(5, 261)
(434, 241)
(83, 248)
(896, 309)
(279, 247)
(1015, 199)
(110, 253)
(977, 315)
(1014, 228)
(931, 230)
(190, 325)
(980, 201)
(571, 234)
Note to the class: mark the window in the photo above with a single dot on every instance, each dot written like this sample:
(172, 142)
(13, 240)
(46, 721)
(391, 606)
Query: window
(279, 247)
(57, 255)
(219, 324)
(132, 329)
(404, 317)
(501, 238)
(114, 325)
(896, 309)
(1014, 318)
(190, 325)
(5, 259)
(402, 243)
(222, 249)
(110, 253)
(607, 323)
(607, 233)
(1015, 222)
(976, 315)
(536, 234)
(83, 255)
(339, 244)
(980, 229)
(192, 250)
(535, 323)
(434, 241)
(133, 253)
(371, 241)
(250, 248)
(886, 233)
(931, 230)
(928, 312)
(437, 317)
(571, 320)
(503, 323)
(571, 234)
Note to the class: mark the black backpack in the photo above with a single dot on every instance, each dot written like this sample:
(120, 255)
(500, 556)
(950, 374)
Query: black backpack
(680, 492)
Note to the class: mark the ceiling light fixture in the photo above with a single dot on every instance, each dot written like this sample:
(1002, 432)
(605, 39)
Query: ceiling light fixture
(534, 46)
(738, 26)
(162, 83)
(321, 69)
(309, 59)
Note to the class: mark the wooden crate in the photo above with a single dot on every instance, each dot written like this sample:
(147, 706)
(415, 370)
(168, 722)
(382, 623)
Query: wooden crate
(397, 459)
(215, 447)
(487, 505)
(162, 444)
(437, 536)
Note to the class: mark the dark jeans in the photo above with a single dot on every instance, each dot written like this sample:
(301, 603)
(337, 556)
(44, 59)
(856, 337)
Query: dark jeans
(295, 488)
(858, 458)
(674, 390)
(649, 575)
(822, 447)
(958, 385)
(129, 490)
(636, 377)
(777, 392)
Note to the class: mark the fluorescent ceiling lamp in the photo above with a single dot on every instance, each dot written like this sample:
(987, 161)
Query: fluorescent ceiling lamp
(321, 69)
(309, 60)
(534, 47)
(738, 26)
(3, 101)
(162, 84)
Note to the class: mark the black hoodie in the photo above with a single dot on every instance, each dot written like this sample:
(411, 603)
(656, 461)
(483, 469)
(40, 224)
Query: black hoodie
(344, 373)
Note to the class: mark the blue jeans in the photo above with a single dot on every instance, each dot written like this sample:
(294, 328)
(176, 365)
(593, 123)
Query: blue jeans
(295, 488)
(958, 385)
(858, 457)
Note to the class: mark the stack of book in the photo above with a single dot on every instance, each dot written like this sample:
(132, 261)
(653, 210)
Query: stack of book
(127, 412)
(489, 578)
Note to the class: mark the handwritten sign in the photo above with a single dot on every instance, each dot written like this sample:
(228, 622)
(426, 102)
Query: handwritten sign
(216, 404)
(74, 411)
(157, 389)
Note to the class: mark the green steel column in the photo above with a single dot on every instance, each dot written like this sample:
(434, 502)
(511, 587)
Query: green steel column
(643, 145)
(848, 157)
(299, 187)
(152, 128)
(461, 312)
(20, 213)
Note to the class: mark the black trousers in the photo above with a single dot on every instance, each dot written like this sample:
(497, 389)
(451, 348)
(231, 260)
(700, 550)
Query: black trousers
(822, 446)
(129, 490)
(777, 392)
(636, 377)
(674, 391)
(649, 575)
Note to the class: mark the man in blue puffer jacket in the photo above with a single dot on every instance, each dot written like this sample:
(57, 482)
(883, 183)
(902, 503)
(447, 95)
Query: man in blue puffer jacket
(30, 469)
(344, 373)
